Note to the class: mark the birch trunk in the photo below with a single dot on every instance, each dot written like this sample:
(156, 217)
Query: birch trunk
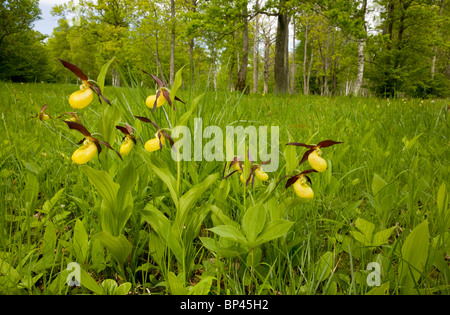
(360, 75)
(361, 42)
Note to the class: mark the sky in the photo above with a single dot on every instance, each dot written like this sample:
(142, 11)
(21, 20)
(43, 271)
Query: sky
(47, 22)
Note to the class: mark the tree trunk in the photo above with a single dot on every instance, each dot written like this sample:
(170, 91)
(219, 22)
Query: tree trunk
(280, 54)
(305, 56)
(293, 60)
(435, 48)
(361, 42)
(286, 56)
(309, 73)
(191, 60)
(172, 43)
(230, 75)
(191, 47)
(213, 70)
(267, 43)
(242, 74)
(360, 75)
(255, 52)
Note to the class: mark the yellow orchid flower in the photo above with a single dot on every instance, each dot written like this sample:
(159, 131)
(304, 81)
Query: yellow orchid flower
(301, 187)
(313, 155)
(90, 147)
(128, 140)
(161, 96)
(82, 98)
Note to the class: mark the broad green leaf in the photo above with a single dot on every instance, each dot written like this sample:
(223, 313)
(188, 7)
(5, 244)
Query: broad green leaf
(102, 75)
(162, 171)
(176, 286)
(220, 217)
(360, 238)
(290, 155)
(110, 216)
(366, 229)
(253, 222)
(203, 287)
(80, 241)
(381, 290)
(50, 204)
(274, 230)
(442, 199)
(110, 119)
(109, 287)
(7, 271)
(414, 255)
(176, 84)
(126, 180)
(188, 200)
(124, 288)
(89, 283)
(229, 232)
(324, 266)
(118, 246)
(443, 208)
(104, 184)
(378, 184)
(185, 117)
(49, 243)
(382, 237)
(31, 190)
(160, 223)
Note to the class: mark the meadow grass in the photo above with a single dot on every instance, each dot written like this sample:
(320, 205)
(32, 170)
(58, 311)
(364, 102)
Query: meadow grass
(390, 174)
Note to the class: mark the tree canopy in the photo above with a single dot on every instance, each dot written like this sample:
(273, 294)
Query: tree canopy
(388, 48)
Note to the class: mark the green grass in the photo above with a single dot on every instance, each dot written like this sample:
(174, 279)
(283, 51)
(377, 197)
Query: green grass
(392, 171)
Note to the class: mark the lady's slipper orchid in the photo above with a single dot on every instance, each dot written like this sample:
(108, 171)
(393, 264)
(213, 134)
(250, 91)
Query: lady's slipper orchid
(301, 187)
(255, 171)
(72, 117)
(161, 96)
(83, 97)
(156, 143)
(150, 101)
(261, 175)
(128, 141)
(91, 146)
(85, 153)
(160, 137)
(42, 114)
(313, 155)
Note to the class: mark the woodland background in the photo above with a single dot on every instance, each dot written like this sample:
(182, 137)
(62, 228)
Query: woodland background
(384, 48)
